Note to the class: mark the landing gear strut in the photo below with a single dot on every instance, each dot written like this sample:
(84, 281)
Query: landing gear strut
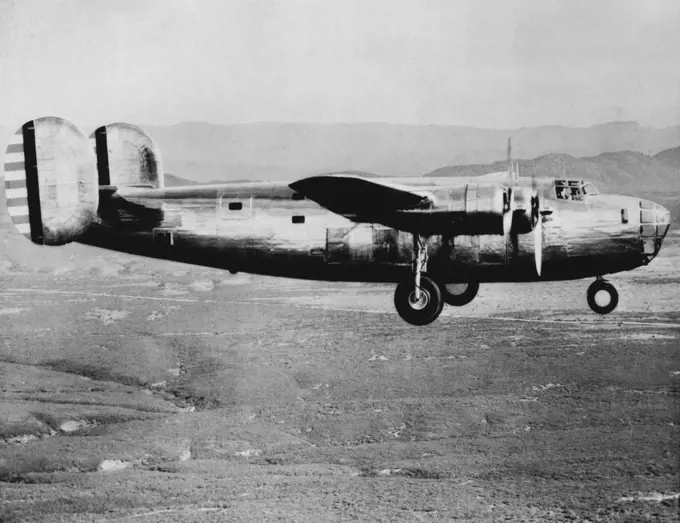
(418, 298)
(596, 296)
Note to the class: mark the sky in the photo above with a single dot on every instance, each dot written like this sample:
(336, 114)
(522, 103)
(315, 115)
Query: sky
(480, 63)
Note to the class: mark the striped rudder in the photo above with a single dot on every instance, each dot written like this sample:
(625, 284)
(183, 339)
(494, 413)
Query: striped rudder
(50, 181)
(16, 179)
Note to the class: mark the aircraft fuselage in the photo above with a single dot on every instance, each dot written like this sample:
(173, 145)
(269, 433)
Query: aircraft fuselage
(267, 228)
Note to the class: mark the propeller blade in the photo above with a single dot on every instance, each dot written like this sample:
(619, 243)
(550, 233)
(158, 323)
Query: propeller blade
(509, 157)
(509, 207)
(538, 247)
(537, 222)
(535, 199)
(508, 211)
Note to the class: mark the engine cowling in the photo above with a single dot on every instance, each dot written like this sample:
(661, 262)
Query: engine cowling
(51, 181)
(484, 206)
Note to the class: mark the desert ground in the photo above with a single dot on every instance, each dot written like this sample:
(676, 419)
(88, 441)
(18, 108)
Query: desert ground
(139, 390)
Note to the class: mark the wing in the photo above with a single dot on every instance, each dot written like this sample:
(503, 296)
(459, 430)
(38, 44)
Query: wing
(464, 209)
(357, 197)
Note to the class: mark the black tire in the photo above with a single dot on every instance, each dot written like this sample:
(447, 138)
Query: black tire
(598, 286)
(423, 312)
(463, 298)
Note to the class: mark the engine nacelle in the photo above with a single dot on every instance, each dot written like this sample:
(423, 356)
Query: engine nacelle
(484, 207)
(524, 220)
(51, 181)
(127, 156)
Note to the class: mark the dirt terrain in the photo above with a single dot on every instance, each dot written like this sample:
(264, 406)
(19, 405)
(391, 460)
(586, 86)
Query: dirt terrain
(137, 390)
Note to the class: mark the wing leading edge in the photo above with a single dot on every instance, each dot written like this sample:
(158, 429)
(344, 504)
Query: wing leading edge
(371, 201)
(356, 196)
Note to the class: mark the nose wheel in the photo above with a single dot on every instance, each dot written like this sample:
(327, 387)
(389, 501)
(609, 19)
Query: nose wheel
(418, 298)
(602, 296)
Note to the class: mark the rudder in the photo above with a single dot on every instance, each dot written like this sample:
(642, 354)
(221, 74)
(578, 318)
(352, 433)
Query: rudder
(51, 181)
(127, 156)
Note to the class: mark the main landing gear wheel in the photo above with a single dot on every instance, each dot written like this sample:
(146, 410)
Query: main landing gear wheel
(459, 294)
(602, 297)
(418, 299)
(418, 308)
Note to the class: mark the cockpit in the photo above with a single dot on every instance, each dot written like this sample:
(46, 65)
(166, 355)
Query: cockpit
(575, 190)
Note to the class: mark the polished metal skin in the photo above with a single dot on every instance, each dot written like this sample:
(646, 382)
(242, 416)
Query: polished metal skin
(268, 228)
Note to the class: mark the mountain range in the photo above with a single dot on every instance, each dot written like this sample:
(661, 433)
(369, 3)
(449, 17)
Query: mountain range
(276, 151)
(620, 171)
(206, 152)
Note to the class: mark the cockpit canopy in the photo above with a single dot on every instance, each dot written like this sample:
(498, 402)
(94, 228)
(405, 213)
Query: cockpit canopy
(575, 190)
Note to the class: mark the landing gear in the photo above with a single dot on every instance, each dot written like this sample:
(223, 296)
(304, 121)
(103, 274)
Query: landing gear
(459, 294)
(418, 299)
(418, 305)
(602, 296)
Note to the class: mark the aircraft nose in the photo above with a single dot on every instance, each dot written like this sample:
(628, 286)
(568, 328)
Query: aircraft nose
(663, 220)
(654, 223)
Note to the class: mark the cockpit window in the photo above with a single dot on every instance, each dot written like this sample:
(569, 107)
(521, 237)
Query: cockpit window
(589, 188)
(564, 193)
(574, 190)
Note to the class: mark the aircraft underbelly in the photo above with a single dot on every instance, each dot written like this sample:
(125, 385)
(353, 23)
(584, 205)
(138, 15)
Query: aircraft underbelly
(358, 251)
(368, 244)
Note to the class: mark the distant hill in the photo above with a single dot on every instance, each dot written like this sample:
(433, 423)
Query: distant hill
(621, 171)
(279, 151)
(175, 181)
(172, 180)
(670, 156)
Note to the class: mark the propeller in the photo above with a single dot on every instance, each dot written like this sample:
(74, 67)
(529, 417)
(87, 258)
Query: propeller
(525, 210)
(509, 198)
(536, 222)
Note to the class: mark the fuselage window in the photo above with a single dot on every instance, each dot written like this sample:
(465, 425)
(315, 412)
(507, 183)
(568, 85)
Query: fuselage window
(298, 219)
(235, 207)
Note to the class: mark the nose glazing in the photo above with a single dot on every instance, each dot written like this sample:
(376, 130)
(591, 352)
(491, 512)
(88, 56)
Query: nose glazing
(654, 223)
(663, 220)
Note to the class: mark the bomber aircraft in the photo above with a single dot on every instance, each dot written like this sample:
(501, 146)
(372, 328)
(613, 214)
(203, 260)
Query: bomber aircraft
(436, 238)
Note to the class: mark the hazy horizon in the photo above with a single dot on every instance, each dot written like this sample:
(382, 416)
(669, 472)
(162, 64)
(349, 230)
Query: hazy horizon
(273, 122)
(484, 64)
(143, 125)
